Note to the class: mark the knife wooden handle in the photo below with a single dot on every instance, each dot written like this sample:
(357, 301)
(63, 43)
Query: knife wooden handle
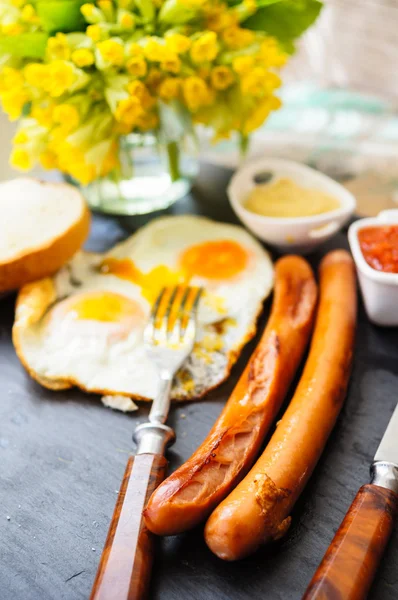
(126, 561)
(349, 565)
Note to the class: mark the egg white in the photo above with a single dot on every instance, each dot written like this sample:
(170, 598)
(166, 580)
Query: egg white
(83, 353)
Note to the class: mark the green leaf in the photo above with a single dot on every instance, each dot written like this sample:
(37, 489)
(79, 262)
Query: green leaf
(286, 20)
(25, 45)
(61, 15)
(266, 2)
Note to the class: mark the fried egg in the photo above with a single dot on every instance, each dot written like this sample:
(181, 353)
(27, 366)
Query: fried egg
(84, 326)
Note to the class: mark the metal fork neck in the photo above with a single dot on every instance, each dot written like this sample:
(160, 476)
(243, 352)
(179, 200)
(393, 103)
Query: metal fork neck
(155, 436)
(161, 404)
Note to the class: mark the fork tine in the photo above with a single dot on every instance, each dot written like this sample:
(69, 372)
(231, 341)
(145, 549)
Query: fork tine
(160, 328)
(156, 306)
(149, 332)
(164, 324)
(173, 296)
(184, 299)
(197, 298)
(175, 331)
(190, 323)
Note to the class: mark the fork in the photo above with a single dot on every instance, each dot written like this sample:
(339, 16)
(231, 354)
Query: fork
(126, 561)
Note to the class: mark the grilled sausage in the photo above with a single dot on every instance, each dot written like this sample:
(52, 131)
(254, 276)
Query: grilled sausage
(258, 508)
(189, 495)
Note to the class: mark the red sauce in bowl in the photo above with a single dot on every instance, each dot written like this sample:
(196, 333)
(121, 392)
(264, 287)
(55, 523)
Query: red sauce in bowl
(379, 247)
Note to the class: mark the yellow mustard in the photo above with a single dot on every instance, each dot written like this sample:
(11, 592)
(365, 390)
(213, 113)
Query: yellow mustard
(284, 198)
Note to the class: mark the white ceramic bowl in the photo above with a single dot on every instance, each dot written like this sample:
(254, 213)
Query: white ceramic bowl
(379, 290)
(295, 234)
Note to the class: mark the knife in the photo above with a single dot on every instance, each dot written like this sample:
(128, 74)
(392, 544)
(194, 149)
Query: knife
(350, 563)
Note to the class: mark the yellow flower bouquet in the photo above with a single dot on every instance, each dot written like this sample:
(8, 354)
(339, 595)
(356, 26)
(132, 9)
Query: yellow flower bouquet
(79, 76)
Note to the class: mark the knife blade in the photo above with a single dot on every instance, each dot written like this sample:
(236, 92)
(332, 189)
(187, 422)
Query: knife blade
(388, 448)
(348, 568)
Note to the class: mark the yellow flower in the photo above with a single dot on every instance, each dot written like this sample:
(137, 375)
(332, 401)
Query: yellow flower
(196, 93)
(219, 18)
(236, 38)
(148, 121)
(245, 9)
(60, 77)
(192, 3)
(28, 14)
(67, 116)
(82, 57)
(48, 160)
(140, 91)
(20, 159)
(36, 74)
(222, 78)
(94, 32)
(88, 10)
(259, 114)
(242, 64)
(121, 128)
(129, 110)
(112, 51)
(205, 48)
(136, 66)
(170, 88)
(58, 47)
(43, 115)
(135, 50)
(64, 152)
(57, 136)
(10, 79)
(172, 64)
(20, 137)
(13, 102)
(84, 173)
(153, 80)
(12, 29)
(271, 54)
(258, 82)
(154, 50)
(178, 43)
(203, 72)
(127, 20)
(106, 6)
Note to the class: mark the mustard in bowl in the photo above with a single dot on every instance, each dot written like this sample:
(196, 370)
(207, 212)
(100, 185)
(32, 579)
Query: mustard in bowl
(316, 208)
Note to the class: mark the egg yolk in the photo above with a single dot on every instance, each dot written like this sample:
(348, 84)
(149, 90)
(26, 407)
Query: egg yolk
(151, 283)
(103, 306)
(217, 260)
(123, 268)
(222, 259)
(158, 278)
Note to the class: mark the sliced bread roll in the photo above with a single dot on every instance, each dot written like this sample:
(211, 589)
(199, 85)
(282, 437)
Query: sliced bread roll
(41, 226)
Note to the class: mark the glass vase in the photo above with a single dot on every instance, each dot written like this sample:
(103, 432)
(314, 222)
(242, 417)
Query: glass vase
(153, 174)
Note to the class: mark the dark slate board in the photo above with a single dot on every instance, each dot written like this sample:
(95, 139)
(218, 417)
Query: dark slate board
(63, 455)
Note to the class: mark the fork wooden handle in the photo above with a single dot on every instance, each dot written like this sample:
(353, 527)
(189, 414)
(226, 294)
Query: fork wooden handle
(349, 566)
(126, 561)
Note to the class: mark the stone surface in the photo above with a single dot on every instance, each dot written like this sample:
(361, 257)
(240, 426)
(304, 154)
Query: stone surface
(63, 454)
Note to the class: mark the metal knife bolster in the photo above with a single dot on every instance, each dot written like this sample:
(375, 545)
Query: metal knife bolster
(153, 438)
(384, 470)
(385, 474)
